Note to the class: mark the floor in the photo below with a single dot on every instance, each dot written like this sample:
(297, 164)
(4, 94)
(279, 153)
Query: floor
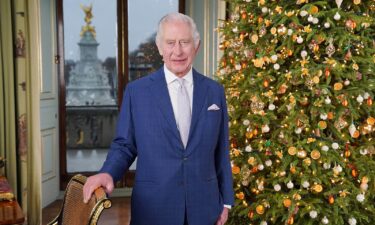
(119, 213)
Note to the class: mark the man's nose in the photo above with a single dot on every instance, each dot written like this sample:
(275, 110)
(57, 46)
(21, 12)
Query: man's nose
(177, 49)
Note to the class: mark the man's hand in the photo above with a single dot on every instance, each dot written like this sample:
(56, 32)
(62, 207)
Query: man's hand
(223, 217)
(99, 180)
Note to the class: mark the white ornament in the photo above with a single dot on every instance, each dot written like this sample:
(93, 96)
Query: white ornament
(299, 40)
(359, 99)
(271, 107)
(325, 220)
(325, 148)
(315, 20)
(326, 166)
(335, 145)
(338, 3)
(323, 116)
(337, 169)
(303, 13)
(310, 18)
(313, 214)
(290, 32)
(260, 167)
(305, 184)
(337, 16)
(274, 58)
(363, 151)
(264, 10)
(246, 122)
(298, 130)
(290, 185)
(263, 223)
(303, 53)
(366, 95)
(265, 128)
(277, 187)
(327, 101)
(352, 221)
(276, 66)
(327, 25)
(360, 197)
(346, 82)
(268, 162)
(260, 187)
(238, 67)
(248, 149)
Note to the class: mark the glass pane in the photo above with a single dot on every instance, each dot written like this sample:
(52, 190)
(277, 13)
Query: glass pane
(91, 81)
(143, 53)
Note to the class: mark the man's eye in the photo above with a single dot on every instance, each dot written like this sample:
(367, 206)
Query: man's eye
(185, 42)
(170, 43)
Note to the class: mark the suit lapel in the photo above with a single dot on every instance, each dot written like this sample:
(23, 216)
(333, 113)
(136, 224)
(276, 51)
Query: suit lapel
(159, 91)
(199, 98)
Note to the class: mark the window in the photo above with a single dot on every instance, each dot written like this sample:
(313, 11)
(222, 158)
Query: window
(103, 45)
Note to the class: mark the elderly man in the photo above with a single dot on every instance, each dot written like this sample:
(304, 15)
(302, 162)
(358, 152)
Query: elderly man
(175, 121)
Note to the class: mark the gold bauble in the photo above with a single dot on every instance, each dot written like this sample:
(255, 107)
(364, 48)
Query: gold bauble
(301, 153)
(240, 195)
(357, 2)
(307, 161)
(297, 196)
(347, 153)
(292, 150)
(315, 154)
(371, 121)
(249, 134)
(316, 79)
(266, 83)
(337, 86)
(259, 209)
(322, 124)
(287, 202)
(317, 188)
(273, 30)
(254, 38)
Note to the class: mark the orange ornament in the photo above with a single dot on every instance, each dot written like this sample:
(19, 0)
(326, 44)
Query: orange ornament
(291, 220)
(331, 199)
(371, 121)
(236, 170)
(354, 173)
(369, 101)
(266, 83)
(250, 214)
(345, 102)
(347, 153)
(287, 202)
(330, 115)
(243, 15)
(259, 209)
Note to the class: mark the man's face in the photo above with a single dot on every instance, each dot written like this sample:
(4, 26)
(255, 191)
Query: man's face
(177, 47)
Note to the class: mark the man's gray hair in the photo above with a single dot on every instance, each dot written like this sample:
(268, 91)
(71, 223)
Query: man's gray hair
(175, 16)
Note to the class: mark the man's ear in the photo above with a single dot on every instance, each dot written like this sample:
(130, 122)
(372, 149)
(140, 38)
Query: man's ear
(159, 48)
(197, 48)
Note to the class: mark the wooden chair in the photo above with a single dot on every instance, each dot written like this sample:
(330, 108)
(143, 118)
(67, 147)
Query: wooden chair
(74, 211)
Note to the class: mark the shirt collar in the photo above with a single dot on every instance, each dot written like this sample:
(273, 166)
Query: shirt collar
(171, 77)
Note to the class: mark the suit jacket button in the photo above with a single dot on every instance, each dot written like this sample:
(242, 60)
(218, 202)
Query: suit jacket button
(185, 158)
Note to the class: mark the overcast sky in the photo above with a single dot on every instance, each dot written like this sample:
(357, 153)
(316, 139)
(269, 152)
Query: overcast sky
(143, 18)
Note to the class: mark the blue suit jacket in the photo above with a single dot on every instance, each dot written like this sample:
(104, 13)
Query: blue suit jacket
(171, 180)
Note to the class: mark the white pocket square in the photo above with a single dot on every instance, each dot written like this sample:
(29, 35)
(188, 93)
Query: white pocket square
(213, 107)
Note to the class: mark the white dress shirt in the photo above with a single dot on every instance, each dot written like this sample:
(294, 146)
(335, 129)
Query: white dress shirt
(173, 86)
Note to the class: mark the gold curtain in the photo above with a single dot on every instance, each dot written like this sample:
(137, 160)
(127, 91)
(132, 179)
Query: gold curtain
(19, 104)
(8, 144)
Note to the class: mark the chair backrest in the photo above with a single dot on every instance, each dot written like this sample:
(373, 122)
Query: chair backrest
(75, 211)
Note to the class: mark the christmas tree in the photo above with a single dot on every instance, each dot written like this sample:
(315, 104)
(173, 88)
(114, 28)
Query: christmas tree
(300, 84)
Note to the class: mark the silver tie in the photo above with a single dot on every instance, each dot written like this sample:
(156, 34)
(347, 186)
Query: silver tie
(183, 111)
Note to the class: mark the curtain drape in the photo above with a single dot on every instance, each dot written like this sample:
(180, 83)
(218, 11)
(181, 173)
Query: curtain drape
(19, 104)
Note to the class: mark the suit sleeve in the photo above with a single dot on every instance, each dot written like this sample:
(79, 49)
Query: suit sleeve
(223, 165)
(123, 151)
